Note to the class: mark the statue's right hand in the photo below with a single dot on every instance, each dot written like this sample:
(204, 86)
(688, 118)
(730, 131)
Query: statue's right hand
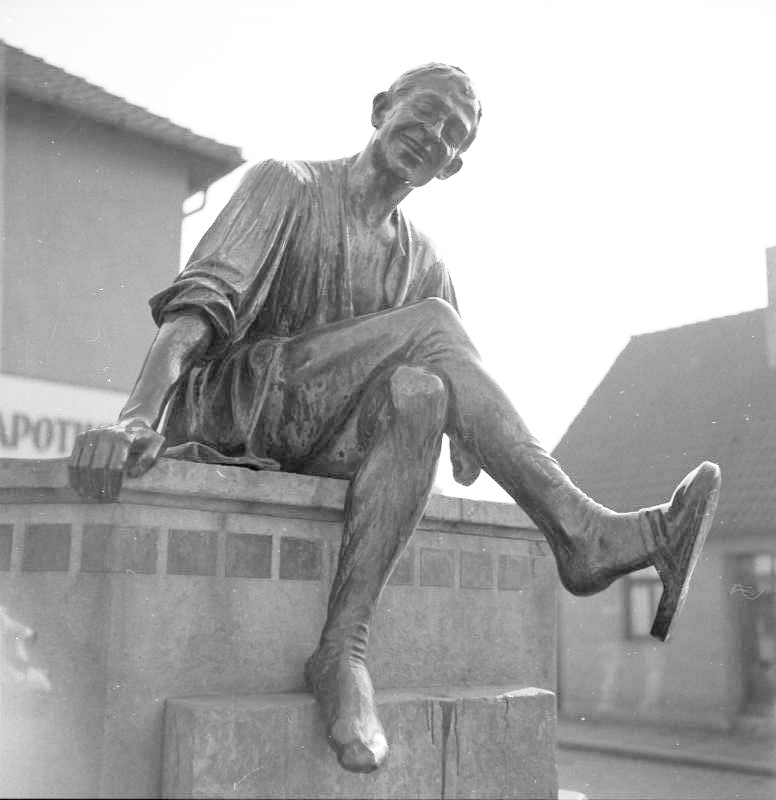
(102, 456)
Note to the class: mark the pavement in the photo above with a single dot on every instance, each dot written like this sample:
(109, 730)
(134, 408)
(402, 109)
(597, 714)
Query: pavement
(693, 747)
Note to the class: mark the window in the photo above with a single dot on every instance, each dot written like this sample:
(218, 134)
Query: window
(642, 595)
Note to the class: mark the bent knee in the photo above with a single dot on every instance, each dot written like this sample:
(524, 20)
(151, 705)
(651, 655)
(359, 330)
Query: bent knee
(437, 318)
(419, 394)
(437, 311)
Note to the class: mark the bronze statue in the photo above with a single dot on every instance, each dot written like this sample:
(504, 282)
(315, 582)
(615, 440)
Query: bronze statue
(316, 328)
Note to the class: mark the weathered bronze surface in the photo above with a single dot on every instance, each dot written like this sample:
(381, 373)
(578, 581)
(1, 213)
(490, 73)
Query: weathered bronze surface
(315, 329)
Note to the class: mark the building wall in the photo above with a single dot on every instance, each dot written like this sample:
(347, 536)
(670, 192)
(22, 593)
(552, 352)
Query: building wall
(696, 678)
(41, 419)
(92, 222)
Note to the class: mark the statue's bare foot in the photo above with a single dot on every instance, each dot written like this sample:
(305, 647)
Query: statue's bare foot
(343, 688)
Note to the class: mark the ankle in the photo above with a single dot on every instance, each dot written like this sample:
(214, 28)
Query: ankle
(654, 534)
(344, 641)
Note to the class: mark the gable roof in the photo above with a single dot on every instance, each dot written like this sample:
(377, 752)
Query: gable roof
(672, 399)
(31, 77)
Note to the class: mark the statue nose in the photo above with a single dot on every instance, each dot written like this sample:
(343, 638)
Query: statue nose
(436, 128)
(432, 133)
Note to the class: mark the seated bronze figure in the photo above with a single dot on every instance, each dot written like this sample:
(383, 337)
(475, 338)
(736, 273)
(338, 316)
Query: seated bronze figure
(315, 327)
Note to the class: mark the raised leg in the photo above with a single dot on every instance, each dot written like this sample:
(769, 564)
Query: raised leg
(592, 545)
(324, 377)
(385, 501)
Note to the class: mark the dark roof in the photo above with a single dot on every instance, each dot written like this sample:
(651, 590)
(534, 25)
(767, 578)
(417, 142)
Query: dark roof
(673, 399)
(32, 77)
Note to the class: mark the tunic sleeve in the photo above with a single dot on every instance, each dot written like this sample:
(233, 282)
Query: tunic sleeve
(231, 270)
(437, 283)
(428, 275)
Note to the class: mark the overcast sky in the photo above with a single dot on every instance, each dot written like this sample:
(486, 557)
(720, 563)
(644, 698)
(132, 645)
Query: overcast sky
(623, 180)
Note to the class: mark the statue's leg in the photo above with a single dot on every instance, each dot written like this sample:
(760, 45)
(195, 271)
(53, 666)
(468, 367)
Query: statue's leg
(335, 374)
(592, 545)
(400, 428)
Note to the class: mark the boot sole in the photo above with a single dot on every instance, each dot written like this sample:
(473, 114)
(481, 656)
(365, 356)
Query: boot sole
(677, 583)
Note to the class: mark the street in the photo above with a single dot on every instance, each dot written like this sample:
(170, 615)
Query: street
(602, 776)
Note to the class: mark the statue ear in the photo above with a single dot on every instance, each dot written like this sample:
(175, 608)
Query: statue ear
(450, 169)
(380, 105)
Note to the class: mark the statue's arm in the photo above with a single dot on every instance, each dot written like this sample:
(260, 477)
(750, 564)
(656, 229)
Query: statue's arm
(199, 315)
(101, 456)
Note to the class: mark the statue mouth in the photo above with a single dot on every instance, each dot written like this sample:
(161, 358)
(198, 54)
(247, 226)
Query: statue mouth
(413, 147)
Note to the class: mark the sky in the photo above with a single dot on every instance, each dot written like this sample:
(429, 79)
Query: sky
(623, 179)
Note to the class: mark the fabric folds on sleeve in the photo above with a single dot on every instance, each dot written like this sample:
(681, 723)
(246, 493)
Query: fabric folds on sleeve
(232, 268)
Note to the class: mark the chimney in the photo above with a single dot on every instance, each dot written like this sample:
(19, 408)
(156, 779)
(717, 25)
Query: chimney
(770, 312)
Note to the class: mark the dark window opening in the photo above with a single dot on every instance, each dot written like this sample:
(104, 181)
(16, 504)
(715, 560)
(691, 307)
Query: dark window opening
(642, 595)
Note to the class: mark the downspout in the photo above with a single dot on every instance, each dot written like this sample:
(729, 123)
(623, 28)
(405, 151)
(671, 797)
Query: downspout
(2, 189)
(203, 192)
(770, 311)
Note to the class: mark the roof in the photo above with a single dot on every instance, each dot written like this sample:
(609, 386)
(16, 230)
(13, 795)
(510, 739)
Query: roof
(672, 399)
(32, 77)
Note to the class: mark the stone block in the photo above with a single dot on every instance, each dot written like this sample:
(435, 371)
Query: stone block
(107, 548)
(46, 547)
(6, 542)
(514, 574)
(117, 643)
(191, 553)
(248, 555)
(436, 567)
(472, 742)
(402, 574)
(476, 570)
(300, 559)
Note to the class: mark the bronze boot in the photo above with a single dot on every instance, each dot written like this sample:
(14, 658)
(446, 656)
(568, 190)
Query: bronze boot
(674, 534)
(594, 545)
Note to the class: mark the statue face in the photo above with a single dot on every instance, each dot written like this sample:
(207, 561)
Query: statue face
(420, 134)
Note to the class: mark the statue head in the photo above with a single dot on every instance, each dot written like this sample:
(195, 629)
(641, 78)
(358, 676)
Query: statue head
(425, 122)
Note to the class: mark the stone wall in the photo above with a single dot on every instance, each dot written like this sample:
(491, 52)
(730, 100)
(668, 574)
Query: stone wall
(208, 580)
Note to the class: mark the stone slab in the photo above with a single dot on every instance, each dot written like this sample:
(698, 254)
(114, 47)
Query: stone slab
(107, 548)
(191, 553)
(437, 567)
(476, 570)
(6, 543)
(514, 574)
(248, 556)
(172, 482)
(300, 559)
(465, 742)
(47, 548)
(404, 570)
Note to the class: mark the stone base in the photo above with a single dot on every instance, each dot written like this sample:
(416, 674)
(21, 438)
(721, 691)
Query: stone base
(208, 580)
(467, 742)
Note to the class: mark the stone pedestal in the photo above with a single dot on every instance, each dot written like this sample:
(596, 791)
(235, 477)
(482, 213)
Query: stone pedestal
(466, 742)
(208, 580)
